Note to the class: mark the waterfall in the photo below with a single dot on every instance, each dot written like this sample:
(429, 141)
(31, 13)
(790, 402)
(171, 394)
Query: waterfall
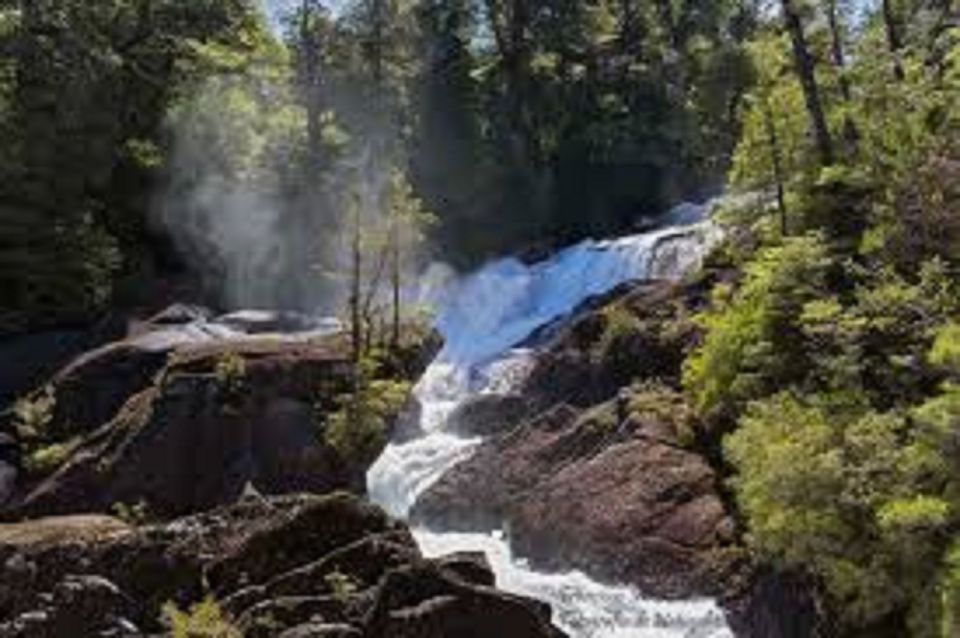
(483, 318)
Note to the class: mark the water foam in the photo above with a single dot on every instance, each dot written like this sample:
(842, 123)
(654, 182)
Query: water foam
(483, 318)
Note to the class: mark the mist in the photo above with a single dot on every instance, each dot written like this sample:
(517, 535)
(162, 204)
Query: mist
(256, 228)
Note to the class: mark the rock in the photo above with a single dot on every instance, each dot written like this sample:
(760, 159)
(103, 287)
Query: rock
(488, 414)
(470, 567)
(255, 322)
(642, 331)
(283, 566)
(9, 466)
(179, 314)
(225, 433)
(78, 606)
(775, 605)
(270, 617)
(320, 630)
(313, 532)
(26, 360)
(424, 601)
(89, 391)
(618, 499)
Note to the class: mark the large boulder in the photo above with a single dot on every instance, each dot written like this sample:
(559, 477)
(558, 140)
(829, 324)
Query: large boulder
(295, 566)
(614, 494)
(218, 419)
(638, 331)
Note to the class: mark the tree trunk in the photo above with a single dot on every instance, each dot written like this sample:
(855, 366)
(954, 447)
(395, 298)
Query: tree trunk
(806, 71)
(894, 39)
(836, 48)
(356, 272)
(311, 83)
(776, 157)
(377, 45)
(395, 280)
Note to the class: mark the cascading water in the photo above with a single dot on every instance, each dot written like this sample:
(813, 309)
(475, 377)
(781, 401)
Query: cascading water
(482, 319)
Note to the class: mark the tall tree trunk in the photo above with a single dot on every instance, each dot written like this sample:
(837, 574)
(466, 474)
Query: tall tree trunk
(836, 48)
(356, 273)
(395, 280)
(311, 82)
(377, 45)
(806, 71)
(776, 156)
(894, 39)
(631, 28)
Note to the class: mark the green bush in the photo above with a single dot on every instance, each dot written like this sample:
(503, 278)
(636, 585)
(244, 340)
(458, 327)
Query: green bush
(46, 460)
(33, 414)
(857, 498)
(358, 429)
(753, 342)
(203, 620)
(342, 585)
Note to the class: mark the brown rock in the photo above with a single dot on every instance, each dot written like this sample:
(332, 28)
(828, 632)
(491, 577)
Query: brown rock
(597, 494)
(268, 560)
(195, 440)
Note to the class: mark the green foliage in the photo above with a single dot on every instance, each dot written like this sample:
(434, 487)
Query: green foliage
(33, 414)
(84, 91)
(946, 348)
(136, 515)
(342, 585)
(231, 372)
(620, 325)
(358, 430)
(203, 620)
(855, 497)
(660, 404)
(44, 460)
(751, 345)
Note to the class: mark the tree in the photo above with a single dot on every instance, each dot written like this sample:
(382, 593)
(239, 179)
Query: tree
(837, 47)
(894, 38)
(806, 71)
(408, 221)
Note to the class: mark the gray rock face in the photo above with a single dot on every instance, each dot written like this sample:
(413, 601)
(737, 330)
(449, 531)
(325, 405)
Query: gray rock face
(486, 415)
(297, 566)
(194, 439)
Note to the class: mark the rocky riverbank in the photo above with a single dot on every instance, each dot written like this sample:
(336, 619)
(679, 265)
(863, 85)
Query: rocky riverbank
(594, 463)
(295, 566)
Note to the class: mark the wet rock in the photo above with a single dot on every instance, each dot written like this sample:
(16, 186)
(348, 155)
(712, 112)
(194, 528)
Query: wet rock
(642, 331)
(424, 601)
(621, 500)
(489, 414)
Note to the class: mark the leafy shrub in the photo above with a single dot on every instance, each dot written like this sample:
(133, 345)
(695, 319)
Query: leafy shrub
(231, 372)
(33, 415)
(858, 498)
(44, 461)
(619, 325)
(358, 429)
(136, 514)
(655, 401)
(752, 336)
(203, 620)
(341, 585)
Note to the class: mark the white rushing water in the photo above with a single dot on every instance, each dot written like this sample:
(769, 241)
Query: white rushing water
(483, 318)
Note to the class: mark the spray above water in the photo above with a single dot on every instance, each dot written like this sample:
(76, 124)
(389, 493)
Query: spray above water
(483, 319)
